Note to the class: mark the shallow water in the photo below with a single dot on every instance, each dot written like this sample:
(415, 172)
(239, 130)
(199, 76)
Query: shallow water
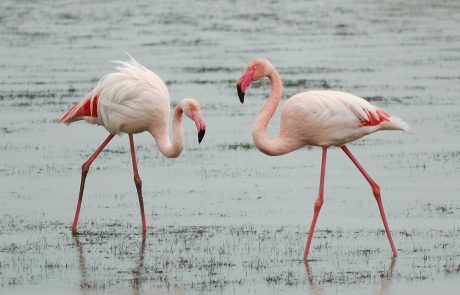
(224, 218)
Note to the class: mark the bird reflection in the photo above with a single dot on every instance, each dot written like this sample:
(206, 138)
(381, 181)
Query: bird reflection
(316, 289)
(81, 263)
(85, 283)
(387, 278)
(137, 272)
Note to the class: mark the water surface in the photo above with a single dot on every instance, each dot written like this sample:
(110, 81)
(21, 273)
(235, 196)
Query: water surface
(224, 218)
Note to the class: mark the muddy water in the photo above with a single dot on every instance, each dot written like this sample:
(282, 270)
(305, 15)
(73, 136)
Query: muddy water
(223, 218)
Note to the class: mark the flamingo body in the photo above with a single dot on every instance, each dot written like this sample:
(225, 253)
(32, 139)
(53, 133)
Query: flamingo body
(317, 118)
(133, 100)
(332, 118)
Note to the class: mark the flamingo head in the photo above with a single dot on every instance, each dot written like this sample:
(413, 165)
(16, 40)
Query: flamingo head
(257, 69)
(191, 109)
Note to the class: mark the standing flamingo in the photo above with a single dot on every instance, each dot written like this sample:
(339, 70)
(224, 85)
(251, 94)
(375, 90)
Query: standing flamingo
(133, 100)
(317, 118)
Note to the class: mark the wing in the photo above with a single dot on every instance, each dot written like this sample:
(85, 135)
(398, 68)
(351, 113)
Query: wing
(333, 118)
(366, 113)
(132, 98)
(127, 94)
(342, 108)
(86, 109)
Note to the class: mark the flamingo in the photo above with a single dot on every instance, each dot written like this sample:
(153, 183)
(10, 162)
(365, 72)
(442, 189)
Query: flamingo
(132, 100)
(317, 118)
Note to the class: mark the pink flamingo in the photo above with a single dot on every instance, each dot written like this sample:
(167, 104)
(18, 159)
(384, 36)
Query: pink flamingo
(317, 118)
(133, 100)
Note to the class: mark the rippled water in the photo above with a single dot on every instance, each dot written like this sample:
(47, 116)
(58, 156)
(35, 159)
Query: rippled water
(224, 218)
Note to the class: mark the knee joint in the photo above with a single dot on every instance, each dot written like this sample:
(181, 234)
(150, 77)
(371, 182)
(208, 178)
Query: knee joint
(85, 168)
(376, 190)
(318, 203)
(138, 181)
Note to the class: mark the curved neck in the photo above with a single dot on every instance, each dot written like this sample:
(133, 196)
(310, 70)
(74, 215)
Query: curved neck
(271, 147)
(168, 149)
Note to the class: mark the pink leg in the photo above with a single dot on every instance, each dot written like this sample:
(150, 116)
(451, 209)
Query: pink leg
(376, 191)
(84, 172)
(138, 182)
(318, 204)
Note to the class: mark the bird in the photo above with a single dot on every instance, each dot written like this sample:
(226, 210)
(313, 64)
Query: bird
(322, 118)
(131, 100)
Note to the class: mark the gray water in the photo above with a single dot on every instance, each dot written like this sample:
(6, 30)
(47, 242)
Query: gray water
(224, 218)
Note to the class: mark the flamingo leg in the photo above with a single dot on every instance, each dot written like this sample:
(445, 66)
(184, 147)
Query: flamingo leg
(138, 182)
(84, 173)
(376, 191)
(318, 204)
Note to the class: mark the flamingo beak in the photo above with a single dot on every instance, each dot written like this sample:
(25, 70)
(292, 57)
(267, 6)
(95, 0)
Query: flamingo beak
(240, 92)
(201, 135)
(243, 83)
(200, 124)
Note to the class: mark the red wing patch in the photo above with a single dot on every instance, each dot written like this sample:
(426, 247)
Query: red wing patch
(373, 119)
(87, 108)
(94, 109)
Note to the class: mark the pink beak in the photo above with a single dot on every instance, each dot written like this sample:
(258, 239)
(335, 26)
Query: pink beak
(200, 124)
(243, 83)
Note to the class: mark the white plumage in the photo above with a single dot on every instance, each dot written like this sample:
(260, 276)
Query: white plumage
(324, 118)
(133, 100)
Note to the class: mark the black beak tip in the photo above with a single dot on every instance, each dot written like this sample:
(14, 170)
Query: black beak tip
(201, 135)
(240, 93)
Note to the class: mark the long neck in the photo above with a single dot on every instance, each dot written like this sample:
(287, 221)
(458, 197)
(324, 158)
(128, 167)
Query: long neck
(271, 147)
(168, 149)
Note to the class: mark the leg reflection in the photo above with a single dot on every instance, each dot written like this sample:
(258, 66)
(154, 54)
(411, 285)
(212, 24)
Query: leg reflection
(84, 283)
(314, 288)
(387, 277)
(137, 271)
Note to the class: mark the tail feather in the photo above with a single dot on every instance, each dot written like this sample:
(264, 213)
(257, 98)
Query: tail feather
(395, 123)
(87, 109)
(67, 117)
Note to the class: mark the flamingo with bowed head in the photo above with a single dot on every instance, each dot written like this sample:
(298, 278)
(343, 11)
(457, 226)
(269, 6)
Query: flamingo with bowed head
(133, 100)
(317, 118)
